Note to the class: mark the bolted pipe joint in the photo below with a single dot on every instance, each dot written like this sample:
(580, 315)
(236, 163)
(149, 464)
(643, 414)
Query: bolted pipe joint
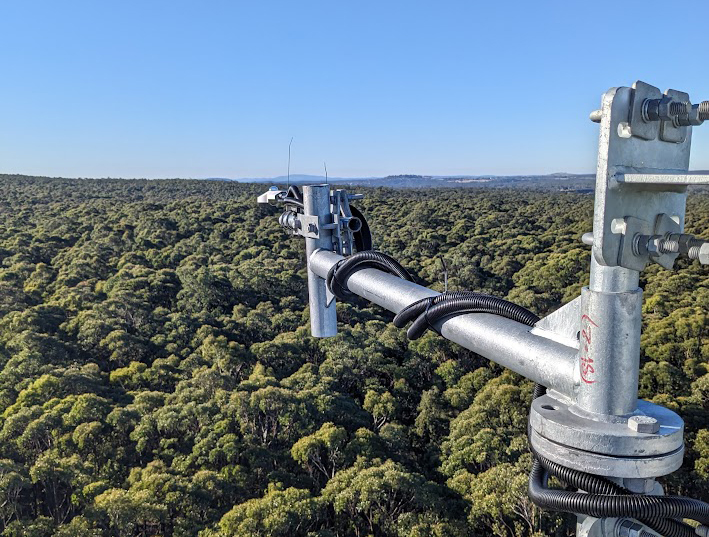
(671, 243)
(664, 109)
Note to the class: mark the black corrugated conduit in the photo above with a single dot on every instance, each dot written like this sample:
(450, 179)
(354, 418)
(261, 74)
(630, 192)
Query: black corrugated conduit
(601, 497)
(428, 311)
(343, 269)
(599, 490)
(656, 512)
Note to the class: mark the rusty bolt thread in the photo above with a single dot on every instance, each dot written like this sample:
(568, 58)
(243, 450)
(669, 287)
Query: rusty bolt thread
(704, 110)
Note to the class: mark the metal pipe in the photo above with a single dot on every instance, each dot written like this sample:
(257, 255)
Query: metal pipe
(609, 352)
(612, 279)
(323, 316)
(506, 342)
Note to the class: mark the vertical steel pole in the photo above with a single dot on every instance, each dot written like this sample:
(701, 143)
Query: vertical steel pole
(323, 316)
(609, 352)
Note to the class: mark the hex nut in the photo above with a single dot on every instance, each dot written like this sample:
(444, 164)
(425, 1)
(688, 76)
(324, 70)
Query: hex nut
(685, 242)
(663, 108)
(653, 246)
(643, 424)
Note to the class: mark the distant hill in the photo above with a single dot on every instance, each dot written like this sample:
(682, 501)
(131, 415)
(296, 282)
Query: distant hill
(560, 181)
(556, 181)
(299, 178)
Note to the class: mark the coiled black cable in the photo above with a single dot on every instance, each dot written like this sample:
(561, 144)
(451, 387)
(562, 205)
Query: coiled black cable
(338, 274)
(597, 485)
(413, 310)
(648, 509)
(430, 310)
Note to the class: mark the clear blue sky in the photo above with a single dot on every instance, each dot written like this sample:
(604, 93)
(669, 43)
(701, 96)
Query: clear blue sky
(216, 89)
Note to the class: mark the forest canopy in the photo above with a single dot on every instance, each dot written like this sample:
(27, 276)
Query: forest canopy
(158, 377)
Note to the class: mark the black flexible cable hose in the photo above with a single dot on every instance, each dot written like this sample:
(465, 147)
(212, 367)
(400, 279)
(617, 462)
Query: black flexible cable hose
(645, 508)
(669, 527)
(338, 274)
(413, 310)
(363, 237)
(470, 303)
(294, 192)
(580, 480)
(597, 485)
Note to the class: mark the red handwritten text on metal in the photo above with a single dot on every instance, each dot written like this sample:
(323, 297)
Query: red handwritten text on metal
(586, 362)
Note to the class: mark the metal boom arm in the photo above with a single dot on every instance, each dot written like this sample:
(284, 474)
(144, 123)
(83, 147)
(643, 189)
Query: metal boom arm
(504, 341)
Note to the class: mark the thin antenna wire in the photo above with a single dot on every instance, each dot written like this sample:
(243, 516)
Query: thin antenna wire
(445, 274)
(289, 144)
(326, 181)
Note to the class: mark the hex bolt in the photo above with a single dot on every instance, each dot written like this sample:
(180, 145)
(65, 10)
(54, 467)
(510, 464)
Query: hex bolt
(700, 252)
(686, 241)
(643, 424)
(664, 109)
(668, 246)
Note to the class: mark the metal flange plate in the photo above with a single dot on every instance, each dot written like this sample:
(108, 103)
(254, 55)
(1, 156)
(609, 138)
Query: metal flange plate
(564, 434)
(606, 465)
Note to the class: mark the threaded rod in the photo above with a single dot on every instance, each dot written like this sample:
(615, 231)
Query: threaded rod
(704, 110)
(680, 108)
(668, 246)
